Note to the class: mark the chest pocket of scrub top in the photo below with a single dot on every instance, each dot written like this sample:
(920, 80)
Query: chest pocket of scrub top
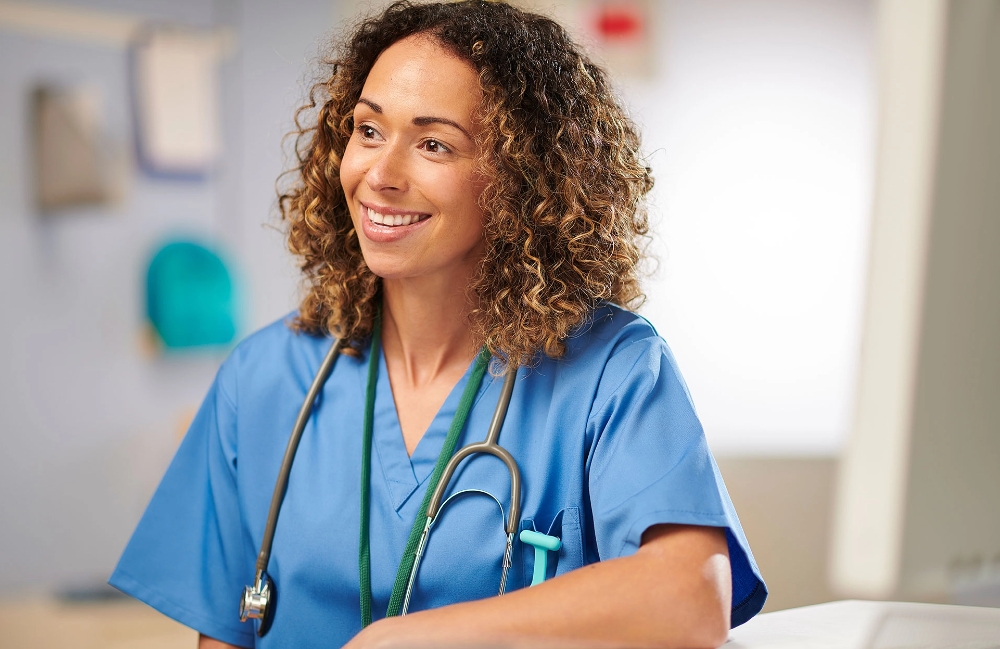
(565, 526)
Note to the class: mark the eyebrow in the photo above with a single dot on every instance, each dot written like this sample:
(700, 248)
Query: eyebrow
(419, 121)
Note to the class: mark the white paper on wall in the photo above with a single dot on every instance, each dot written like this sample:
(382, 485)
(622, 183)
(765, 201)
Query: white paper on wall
(176, 88)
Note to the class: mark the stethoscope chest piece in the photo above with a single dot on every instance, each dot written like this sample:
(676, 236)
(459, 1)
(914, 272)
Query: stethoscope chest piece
(258, 603)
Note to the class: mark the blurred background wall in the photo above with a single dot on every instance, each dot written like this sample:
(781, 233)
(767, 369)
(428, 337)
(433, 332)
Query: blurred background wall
(758, 119)
(88, 416)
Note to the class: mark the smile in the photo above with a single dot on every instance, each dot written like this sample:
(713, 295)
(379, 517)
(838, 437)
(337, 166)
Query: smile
(394, 219)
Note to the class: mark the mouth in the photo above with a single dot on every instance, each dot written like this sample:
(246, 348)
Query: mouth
(392, 218)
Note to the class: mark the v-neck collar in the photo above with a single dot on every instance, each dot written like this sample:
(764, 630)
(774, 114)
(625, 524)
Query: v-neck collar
(403, 473)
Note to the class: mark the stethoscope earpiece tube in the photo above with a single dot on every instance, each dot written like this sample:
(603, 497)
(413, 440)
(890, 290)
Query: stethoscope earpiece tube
(258, 600)
(490, 446)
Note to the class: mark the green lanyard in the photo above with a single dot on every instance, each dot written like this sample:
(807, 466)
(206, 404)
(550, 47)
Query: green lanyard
(409, 553)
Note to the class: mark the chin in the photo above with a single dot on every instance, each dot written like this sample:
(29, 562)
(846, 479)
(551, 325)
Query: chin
(389, 270)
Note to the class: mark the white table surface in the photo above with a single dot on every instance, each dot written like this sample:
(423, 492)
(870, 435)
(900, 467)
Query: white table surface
(855, 624)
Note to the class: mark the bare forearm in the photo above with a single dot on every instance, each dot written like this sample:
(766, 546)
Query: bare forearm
(674, 592)
(204, 642)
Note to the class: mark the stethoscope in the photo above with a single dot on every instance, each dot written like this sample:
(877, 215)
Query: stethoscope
(258, 600)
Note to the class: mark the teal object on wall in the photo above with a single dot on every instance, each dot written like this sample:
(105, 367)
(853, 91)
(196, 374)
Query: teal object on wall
(190, 297)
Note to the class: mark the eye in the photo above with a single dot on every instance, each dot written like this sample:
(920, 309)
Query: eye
(433, 146)
(366, 132)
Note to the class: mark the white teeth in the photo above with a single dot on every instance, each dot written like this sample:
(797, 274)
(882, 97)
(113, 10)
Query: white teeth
(393, 219)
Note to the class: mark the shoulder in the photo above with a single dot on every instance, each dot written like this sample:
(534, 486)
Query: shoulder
(617, 341)
(620, 350)
(271, 355)
(277, 337)
(613, 350)
(612, 321)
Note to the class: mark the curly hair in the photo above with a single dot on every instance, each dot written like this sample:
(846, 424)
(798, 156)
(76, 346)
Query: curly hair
(564, 209)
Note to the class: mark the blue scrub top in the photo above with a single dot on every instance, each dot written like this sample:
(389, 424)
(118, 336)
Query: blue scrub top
(606, 438)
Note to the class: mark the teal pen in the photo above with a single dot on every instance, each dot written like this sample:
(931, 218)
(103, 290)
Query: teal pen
(543, 544)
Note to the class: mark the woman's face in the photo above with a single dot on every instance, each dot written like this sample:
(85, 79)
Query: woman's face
(409, 168)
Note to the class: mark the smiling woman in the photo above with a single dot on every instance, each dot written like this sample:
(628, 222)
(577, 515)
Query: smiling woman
(409, 170)
(409, 176)
(469, 194)
(557, 160)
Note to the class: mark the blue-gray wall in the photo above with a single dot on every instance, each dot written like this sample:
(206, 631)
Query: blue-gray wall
(87, 421)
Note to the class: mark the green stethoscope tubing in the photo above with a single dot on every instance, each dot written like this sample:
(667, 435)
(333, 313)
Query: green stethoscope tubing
(256, 599)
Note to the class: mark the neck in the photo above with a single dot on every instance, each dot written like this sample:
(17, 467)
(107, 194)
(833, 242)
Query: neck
(425, 327)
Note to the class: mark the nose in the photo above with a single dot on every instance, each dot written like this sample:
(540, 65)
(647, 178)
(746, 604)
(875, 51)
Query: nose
(387, 171)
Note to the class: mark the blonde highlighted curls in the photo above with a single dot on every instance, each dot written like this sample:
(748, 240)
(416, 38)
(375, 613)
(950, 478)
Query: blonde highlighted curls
(563, 207)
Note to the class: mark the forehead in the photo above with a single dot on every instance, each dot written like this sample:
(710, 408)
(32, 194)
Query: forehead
(417, 75)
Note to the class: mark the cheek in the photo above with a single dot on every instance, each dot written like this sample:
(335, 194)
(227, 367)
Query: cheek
(350, 169)
(476, 220)
(461, 192)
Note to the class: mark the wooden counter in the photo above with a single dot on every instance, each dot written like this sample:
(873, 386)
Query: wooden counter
(50, 624)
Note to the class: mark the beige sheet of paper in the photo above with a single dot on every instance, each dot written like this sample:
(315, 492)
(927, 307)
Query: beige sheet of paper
(72, 160)
(177, 96)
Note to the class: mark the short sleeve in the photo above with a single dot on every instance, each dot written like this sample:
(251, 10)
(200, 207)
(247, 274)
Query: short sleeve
(187, 558)
(650, 464)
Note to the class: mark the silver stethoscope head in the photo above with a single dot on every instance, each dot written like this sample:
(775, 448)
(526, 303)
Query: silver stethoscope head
(257, 603)
(253, 606)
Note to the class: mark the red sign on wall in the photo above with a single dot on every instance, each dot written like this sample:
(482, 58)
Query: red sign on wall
(619, 22)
